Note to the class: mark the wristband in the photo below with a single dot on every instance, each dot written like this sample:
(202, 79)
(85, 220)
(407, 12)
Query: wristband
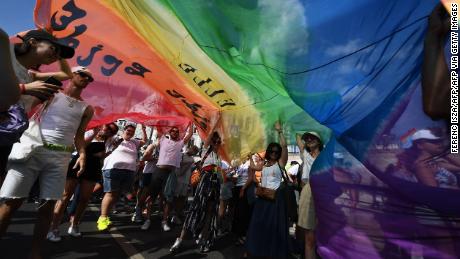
(22, 88)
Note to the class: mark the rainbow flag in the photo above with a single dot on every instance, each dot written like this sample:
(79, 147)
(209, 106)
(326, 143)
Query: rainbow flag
(349, 70)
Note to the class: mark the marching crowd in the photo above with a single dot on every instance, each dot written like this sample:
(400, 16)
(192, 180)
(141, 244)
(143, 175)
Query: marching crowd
(45, 147)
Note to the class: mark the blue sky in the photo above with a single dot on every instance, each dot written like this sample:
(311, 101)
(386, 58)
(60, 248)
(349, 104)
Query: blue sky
(17, 15)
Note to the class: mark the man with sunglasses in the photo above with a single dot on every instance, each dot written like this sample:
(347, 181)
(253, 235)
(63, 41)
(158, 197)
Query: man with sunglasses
(61, 125)
(170, 154)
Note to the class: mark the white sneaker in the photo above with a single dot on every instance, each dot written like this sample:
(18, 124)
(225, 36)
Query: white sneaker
(53, 236)
(164, 225)
(176, 245)
(198, 241)
(146, 225)
(176, 220)
(74, 231)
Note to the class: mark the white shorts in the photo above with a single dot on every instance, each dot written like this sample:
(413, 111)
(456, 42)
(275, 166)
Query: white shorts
(49, 166)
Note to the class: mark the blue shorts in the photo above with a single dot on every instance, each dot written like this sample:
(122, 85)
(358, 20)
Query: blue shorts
(117, 179)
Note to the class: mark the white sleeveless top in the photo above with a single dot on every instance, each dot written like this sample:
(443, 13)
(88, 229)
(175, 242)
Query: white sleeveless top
(271, 177)
(60, 121)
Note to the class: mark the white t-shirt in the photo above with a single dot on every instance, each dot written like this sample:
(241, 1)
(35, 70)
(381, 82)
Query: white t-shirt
(124, 156)
(307, 160)
(170, 152)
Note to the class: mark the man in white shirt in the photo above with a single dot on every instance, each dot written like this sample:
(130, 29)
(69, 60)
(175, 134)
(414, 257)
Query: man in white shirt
(62, 125)
(168, 161)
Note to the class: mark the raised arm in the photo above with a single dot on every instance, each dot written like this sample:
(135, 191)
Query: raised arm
(211, 132)
(189, 134)
(63, 74)
(144, 136)
(148, 154)
(284, 153)
(435, 71)
(300, 143)
(80, 143)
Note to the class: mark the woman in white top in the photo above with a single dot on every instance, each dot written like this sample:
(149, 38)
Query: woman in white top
(310, 146)
(118, 171)
(268, 231)
(201, 219)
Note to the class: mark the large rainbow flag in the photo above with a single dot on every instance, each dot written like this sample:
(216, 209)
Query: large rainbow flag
(349, 70)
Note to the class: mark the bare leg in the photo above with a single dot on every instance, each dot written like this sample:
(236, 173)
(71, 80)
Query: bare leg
(97, 188)
(6, 211)
(107, 203)
(45, 215)
(86, 191)
(310, 244)
(61, 204)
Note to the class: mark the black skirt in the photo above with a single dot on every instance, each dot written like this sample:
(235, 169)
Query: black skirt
(268, 233)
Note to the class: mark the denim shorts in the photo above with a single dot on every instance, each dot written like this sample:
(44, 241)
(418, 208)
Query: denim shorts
(116, 180)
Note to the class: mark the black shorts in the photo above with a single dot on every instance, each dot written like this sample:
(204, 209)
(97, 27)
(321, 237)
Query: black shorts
(145, 180)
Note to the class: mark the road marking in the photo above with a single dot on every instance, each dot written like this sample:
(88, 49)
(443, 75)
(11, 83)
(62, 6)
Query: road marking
(129, 249)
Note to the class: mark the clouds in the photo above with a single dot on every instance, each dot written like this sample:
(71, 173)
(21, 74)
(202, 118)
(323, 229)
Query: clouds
(283, 28)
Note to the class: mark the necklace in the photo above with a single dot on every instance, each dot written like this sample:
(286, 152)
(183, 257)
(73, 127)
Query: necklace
(71, 101)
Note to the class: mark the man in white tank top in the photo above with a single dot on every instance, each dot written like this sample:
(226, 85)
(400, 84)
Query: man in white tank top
(62, 124)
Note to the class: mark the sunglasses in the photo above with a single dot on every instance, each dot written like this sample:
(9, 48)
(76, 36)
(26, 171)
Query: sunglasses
(274, 151)
(84, 75)
(174, 131)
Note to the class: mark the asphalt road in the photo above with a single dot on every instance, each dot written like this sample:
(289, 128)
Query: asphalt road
(124, 240)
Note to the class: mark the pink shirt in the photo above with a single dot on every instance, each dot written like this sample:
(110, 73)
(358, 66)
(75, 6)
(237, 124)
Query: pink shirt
(170, 152)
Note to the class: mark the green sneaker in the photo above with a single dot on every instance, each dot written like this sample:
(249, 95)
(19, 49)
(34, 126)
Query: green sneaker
(103, 223)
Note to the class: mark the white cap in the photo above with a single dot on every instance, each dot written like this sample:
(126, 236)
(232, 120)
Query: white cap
(423, 134)
(83, 69)
(314, 133)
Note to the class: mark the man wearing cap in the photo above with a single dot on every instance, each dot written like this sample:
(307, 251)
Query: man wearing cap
(38, 47)
(62, 124)
(310, 146)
